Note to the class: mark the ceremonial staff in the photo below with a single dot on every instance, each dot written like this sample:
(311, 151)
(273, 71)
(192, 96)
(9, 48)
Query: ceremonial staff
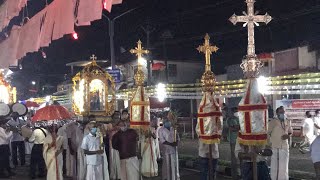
(208, 81)
(251, 66)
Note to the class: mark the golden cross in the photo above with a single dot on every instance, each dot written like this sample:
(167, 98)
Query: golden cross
(207, 49)
(139, 51)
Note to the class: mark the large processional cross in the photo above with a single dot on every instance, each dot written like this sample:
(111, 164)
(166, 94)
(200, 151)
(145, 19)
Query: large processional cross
(251, 64)
(207, 49)
(139, 51)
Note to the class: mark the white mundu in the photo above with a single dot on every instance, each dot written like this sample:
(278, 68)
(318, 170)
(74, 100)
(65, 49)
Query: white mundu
(97, 164)
(149, 165)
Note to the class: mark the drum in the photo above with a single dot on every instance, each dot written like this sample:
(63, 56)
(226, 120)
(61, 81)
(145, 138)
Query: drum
(21, 109)
(26, 131)
(5, 110)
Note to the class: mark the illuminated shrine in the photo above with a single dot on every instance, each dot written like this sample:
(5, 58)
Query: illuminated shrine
(8, 93)
(93, 91)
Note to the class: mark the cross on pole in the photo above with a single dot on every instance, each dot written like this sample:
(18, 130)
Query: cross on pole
(139, 51)
(207, 49)
(250, 19)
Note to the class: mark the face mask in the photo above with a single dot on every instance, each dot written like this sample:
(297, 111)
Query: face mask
(281, 116)
(236, 114)
(167, 124)
(123, 129)
(94, 131)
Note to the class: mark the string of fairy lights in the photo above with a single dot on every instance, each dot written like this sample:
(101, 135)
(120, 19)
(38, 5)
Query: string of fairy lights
(308, 83)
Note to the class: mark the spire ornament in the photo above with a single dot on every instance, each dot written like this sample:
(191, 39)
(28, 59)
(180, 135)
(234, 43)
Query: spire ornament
(250, 64)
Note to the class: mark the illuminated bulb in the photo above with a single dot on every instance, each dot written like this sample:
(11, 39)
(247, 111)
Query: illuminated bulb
(75, 35)
(142, 61)
(4, 96)
(161, 92)
(48, 98)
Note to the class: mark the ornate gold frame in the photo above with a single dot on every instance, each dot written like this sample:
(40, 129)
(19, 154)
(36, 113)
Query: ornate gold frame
(11, 90)
(88, 74)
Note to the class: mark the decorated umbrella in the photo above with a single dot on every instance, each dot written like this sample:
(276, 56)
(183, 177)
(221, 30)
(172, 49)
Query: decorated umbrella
(52, 114)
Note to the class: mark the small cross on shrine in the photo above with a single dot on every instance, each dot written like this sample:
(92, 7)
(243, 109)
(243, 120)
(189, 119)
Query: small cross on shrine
(139, 51)
(252, 64)
(93, 57)
(207, 49)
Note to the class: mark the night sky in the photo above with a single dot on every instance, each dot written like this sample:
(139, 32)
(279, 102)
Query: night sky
(295, 22)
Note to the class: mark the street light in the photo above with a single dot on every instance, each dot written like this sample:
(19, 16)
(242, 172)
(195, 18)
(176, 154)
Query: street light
(111, 34)
(161, 92)
(33, 82)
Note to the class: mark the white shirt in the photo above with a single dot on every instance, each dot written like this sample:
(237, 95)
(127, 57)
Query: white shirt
(62, 132)
(166, 135)
(92, 143)
(204, 150)
(18, 123)
(317, 122)
(315, 150)
(38, 136)
(308, 129)
(5, 136)
(276, 129)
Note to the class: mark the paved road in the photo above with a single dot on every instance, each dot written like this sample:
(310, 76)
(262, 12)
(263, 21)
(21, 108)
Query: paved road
(298, 161)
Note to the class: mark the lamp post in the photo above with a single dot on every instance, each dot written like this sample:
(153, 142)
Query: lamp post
(111, 34)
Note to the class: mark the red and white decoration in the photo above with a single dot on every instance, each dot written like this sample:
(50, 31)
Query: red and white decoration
(209, 126)
(140, 110)
(253, 116)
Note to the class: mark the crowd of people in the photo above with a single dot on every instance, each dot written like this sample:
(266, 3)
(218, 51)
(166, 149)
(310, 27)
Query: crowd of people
(89, 150)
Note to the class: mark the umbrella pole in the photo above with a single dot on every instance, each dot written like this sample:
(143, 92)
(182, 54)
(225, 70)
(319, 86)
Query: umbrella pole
(254, 164)
(210, 163)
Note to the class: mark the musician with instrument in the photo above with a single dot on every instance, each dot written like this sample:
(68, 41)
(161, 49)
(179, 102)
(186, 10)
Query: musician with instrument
(5, 136)
(17, 141)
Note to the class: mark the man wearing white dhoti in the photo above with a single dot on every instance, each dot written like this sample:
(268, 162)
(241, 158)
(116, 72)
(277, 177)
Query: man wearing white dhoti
(114, 157)
(52, 154)
(317, 122)
(315, 156)
(170, 165)
(125, 141)
(307, 133)
(80, 156)
(92, 145)
(280, 131)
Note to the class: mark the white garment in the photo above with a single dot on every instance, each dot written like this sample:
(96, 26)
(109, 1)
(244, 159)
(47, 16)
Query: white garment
(81, 159)
(54, 163)
(317, 122)
(62, 132)
(204, 150)
(92, 143)
(166, 135)
(98, 172)
(38, 136)
(5, 136)
(277, 129)
(280, 164)
(16, 135)
(149, 164)
(170, 167)
(71, 160)
(115, 168)
(315, 150)
(28, 147)
(308, 130)
(130, 169)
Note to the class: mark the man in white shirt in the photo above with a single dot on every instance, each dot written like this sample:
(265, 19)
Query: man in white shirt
(93, 148)
(170, 165)
(37, 138)
(17, 141)
(307, 133)
(315, 156)
(317, 122)
(5, 136)
(204, 159)
(280, 131)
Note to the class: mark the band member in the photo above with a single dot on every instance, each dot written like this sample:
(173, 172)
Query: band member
(5, 136)
(37, 138)
(17, 141)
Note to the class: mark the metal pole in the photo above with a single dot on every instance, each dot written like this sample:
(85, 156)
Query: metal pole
(191, 116)
(210, 163)
(111, 35)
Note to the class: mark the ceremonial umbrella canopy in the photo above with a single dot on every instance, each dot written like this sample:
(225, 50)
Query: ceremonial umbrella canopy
(52, 114)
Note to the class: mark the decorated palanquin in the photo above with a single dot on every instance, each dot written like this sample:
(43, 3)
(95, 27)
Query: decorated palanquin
(253, 116)
(209, 126)
(140, 109)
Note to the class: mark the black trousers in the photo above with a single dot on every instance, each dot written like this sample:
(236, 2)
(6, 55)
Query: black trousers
(37, 161)
(18, 146)
(4, 158)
